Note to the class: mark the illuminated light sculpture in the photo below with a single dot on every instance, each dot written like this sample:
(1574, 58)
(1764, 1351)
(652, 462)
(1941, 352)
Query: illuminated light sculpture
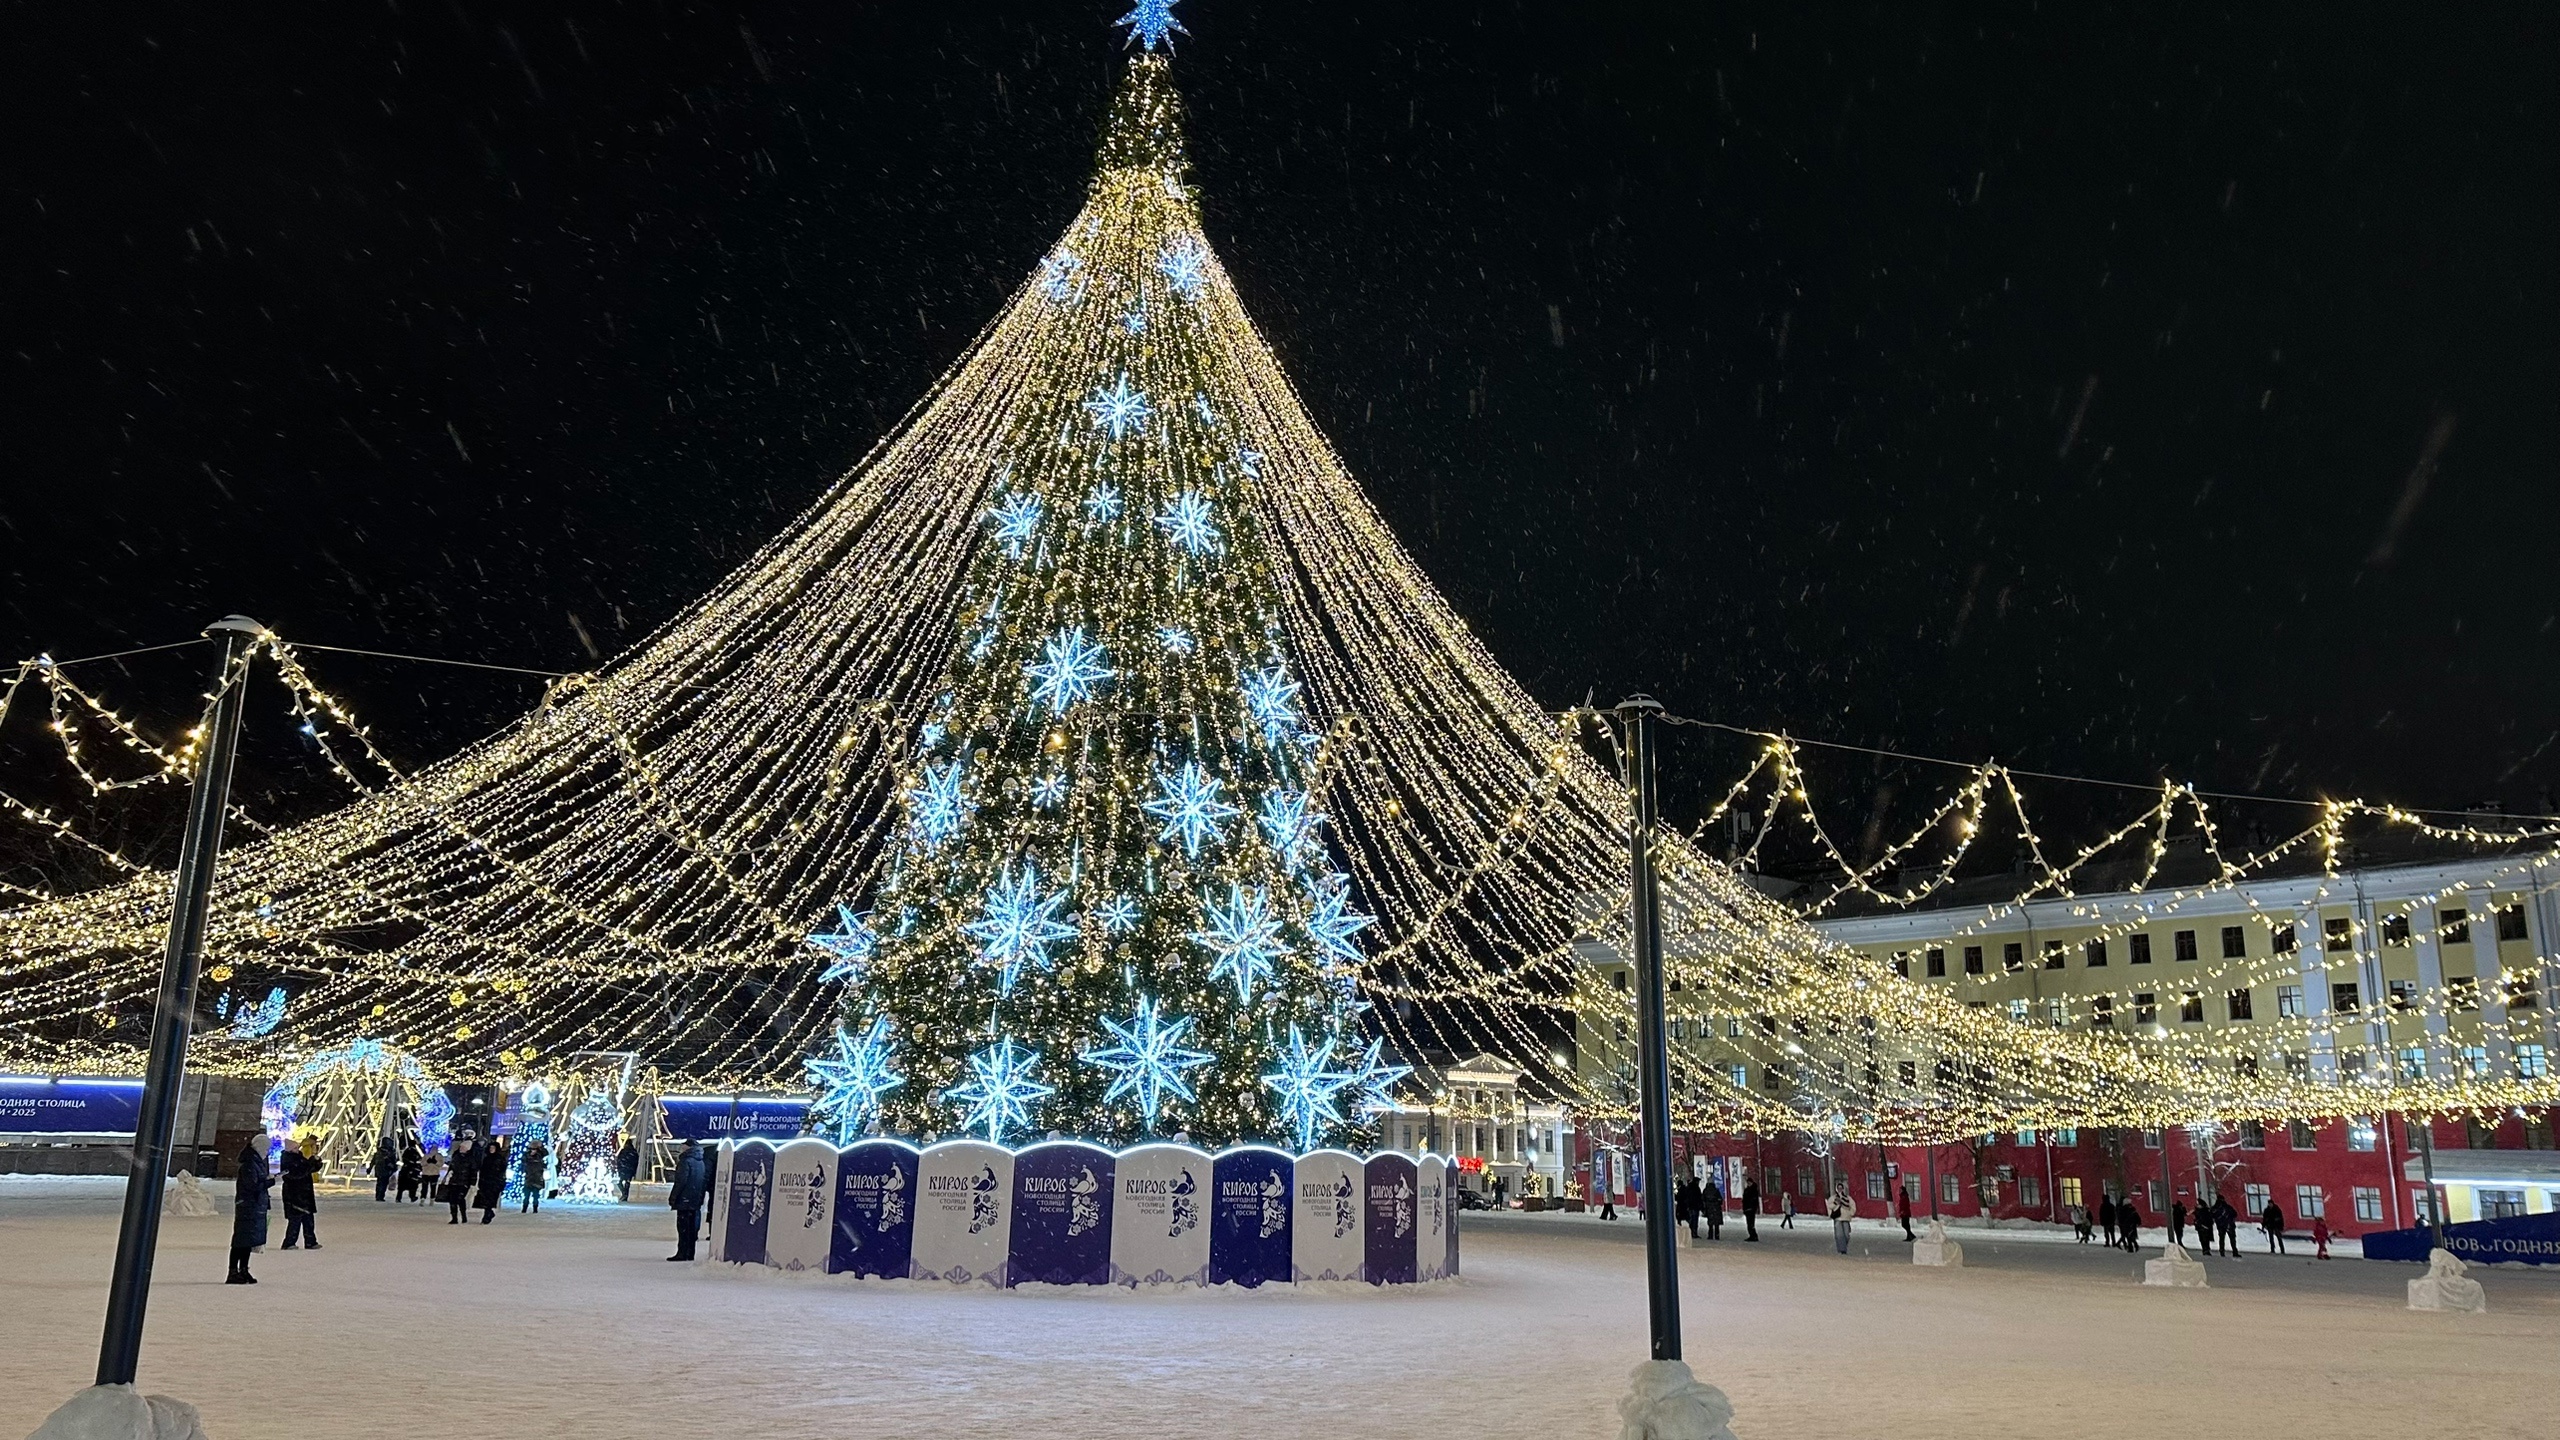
(849, 1083)
(342, 1100)
(999, 1093)
(1150, 1059)
(1306, 1086)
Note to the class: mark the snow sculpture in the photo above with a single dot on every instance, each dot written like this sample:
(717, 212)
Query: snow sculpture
(186, 1198)
(1935, 1248)
(2175, 1268)
(1667, 1402)
(120, 1412)
(2445, 1287)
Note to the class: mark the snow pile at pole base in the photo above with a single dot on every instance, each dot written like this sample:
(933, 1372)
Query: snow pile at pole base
(2175, 1268)
(120, 1412)
(1935, 1248)
(2445, 1287)
(186, 1198)
(1669, 1403)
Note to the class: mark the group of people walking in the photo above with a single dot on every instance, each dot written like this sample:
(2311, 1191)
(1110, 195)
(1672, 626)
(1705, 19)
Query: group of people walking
(2121, 1220)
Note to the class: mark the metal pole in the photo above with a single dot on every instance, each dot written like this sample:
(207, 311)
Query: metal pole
(1661, 1239)
(1933, 1179)
(2168, 1186)
(129, 1289)
(2427, 1166)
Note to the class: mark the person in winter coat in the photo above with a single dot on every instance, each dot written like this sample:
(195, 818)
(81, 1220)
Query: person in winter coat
(1711, 1200)
(2107, 1218)
(301, 1203)
(537, 1169)
(1751, 1210)
(2273, 1223)
(2227, 1220)
(2177, 1222)
(493, 1180)
(626, 1167)
(461, 1172)
(1902, 1209)
(1787, 1211)
(685, 1194)
(2129, 1224)
(1688, 1200)
(248, 1210)
(412, 1159)
(386, 1163)
(1841, 1213)
(2320, 1236)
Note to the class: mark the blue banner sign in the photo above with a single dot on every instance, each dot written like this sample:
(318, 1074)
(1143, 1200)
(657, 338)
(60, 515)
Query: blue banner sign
(717, 1117)
(36, 1105)
(2521, 1239)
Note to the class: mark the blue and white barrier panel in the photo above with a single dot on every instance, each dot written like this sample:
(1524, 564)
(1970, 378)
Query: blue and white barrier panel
(1064, 1212)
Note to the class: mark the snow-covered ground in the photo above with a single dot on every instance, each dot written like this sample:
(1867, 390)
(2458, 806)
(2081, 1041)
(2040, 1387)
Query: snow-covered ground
(572, 1323)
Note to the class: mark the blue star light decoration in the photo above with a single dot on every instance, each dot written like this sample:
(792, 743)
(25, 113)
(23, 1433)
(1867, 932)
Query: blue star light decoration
(1250, 462)
(1119, 915)
(1331, 922)
(1017, 924)
(1271, 697)
(1188, 804)
(1149, 1060)
(1306, 1085)
(848, 947)
(1120, 409)
(1200, 406)
(1070, 669)
(1015, 521)
(1175, 640)
(1187, 519)
(1184, 266)
(1135, 322)
(999, 1093)
(1062, 276)
(257, 1020)
(1375, 1081)
(1151, 22)
(1244, 933)
(850, 1082)
(937, 805)
(1102, 503)
(1049, 791)
(1289, 820)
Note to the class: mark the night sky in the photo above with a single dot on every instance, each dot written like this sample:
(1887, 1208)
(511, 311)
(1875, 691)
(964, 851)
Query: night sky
(2122, 390)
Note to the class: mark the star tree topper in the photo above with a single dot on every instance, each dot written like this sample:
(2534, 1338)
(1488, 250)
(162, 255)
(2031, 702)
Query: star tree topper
(1151, 22)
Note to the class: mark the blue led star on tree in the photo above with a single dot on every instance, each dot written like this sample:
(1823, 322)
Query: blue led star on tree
(1289, 822)
(1070, 669)
(999, 1093)
(936, 804)
(1017, 924)
(1375, 1080)
(1016, 520)
(1271, 698)
(1244, 933)
(848, 947)
(1120, 409)
(1305, 1087)
(1188, 804)
(1151, 22)
(1187, 520)
(1149, 1060)
(850, 1082)
(1185, 267)
(1331, 922)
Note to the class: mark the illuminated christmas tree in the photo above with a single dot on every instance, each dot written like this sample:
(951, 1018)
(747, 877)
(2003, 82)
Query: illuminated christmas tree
(1111, 909)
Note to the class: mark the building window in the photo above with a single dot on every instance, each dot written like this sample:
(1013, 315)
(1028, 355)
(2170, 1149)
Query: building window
(2152, 1189)
(2500, 1204)
(1804, 1179)
(1911, 1186)
(2150, 1139)
(1733, 1027)
(2256, 1198)
(1902, 963)
(2191, 1008)
(2302, 1135)
(1619, 978)
(2095, 952)
(2245, 1066)
(2360, 1135)
(2053, 954)
(2296, 1064)
(2343, 996)
(2413, 1062)
(2309, 1203)
(2146, 1008)
(2183, 943)
(1973, 959)
(2282, 941)
(2066, 1138)
(2403, 995)
(2288, 1002)
(2341, 933)
(2102, 1009)
(2013, 957)
(2520, 992)
(1679, 1029)
(1771, 1179)
(1950, 1189)
(2395, 931)
(2026, 1137)
(2474, 1060)
(2235, 942)
(2350, 1064)
(2368, 1202)
(2462, 994)
(2529, 1064)
(2067, 1189)
(2238, 1001)
(2454, 926)
(1875, 1184)
(1937, 962)
(2030, 1190)
(2137, 949)
(2018, 1011)
(2511, 921)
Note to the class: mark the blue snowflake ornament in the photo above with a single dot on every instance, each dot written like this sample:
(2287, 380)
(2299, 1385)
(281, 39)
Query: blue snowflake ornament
(1305, 1085)
(1102, 503)
(850, 1082)
(1331, 922)
(1070, 669)
(1289, 820)
(1120, 409)
(1244, 933)
(1119, 915)
(1174, 640)
(1150, 22)
(1062, 276)
(1188, 804)
(1017, 924)
(1184, 264)
(1049, 791)
(999, 1093)
(1149, 1060)
(1375, 1081)
(1271, 699)
(1016, 520)
(848, 947)
(1189, 522)
(937, 804)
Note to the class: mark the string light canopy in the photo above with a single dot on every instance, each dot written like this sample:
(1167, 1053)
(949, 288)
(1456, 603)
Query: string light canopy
(1094, 721)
